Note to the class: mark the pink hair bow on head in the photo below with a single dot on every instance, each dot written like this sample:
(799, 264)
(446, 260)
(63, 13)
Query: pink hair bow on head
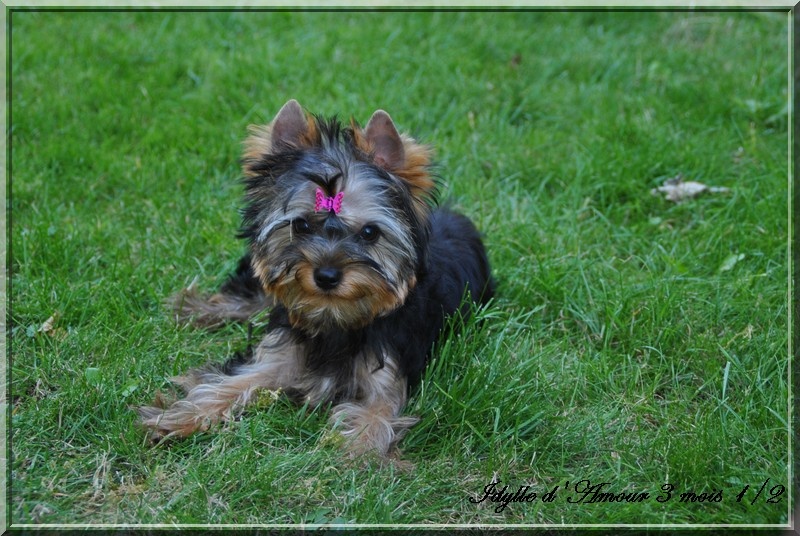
(332, 204)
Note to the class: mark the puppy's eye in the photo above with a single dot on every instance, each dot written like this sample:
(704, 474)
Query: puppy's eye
(301, 226)
(369, 233)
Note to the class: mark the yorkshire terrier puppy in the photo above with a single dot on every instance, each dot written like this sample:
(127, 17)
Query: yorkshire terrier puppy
(360, 269)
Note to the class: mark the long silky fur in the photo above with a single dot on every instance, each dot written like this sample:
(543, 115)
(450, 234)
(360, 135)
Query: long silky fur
(361, 345)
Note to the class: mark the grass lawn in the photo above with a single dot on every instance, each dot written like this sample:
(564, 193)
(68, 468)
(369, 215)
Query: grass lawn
(634, 341)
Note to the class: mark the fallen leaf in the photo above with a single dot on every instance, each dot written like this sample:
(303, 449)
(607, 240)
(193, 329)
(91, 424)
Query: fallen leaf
(677, 190)
(48, 325)
(39, 511)
(92, 375)
(730, 262)
(129, 390)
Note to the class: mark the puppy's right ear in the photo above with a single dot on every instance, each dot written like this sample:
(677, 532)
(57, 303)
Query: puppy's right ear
(291, 128)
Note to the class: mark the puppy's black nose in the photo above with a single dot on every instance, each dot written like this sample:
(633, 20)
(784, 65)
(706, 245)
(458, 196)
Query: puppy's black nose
(327, 277)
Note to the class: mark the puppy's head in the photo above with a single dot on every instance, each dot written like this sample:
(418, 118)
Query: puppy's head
(336, 216)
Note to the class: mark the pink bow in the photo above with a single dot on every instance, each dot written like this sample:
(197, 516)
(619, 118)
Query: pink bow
(333, 204)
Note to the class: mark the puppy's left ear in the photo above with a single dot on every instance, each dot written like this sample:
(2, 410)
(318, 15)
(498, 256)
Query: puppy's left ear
(383, 138)
(401, 155)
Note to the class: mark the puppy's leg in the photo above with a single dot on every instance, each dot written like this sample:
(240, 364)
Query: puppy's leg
(240, 298)
(213, 396)
(372, 423)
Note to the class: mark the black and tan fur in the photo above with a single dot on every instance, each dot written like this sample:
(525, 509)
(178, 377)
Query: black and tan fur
(357, 298)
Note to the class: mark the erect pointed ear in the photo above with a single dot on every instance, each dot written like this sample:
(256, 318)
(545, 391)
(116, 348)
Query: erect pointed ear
(290, 125)
(385, 141)
(290, 128)
(403, 157)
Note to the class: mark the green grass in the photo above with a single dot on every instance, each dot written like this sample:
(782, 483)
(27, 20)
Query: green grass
(624, 347)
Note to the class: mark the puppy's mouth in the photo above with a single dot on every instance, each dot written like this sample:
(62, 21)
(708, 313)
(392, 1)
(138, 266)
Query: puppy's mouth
(323, 300)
